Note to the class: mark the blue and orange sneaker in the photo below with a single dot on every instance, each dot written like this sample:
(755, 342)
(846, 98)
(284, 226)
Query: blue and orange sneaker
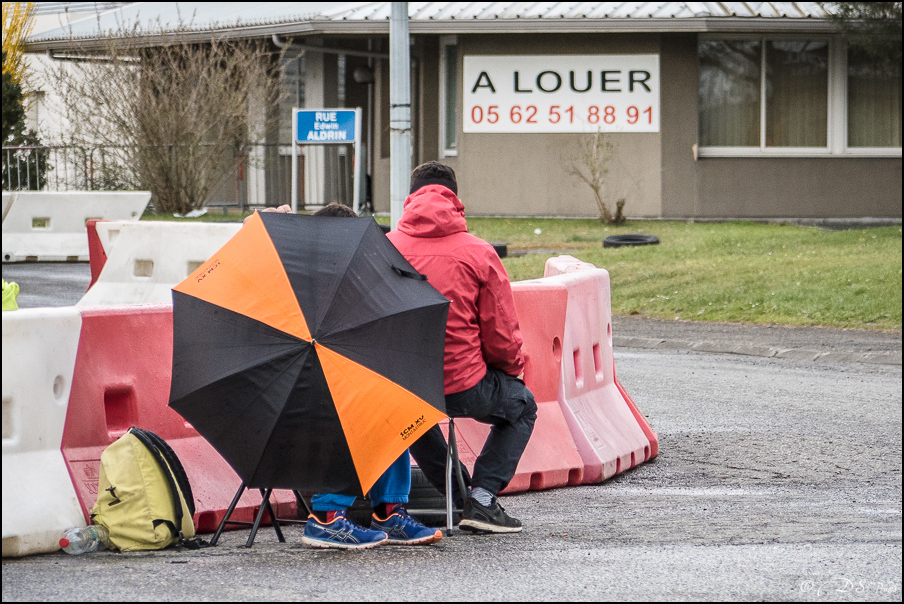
(340, 533)
(405, 530)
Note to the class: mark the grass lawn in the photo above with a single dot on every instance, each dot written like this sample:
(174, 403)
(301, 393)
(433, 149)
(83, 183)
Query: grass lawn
(736, 271)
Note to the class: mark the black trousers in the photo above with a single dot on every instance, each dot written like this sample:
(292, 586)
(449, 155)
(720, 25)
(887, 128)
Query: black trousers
(508, 406)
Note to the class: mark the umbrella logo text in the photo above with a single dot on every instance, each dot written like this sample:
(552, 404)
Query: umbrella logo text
(410, 430)
(208, 270)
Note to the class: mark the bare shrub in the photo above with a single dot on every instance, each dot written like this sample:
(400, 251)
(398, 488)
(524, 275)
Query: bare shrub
(591, 164)
(170, 113)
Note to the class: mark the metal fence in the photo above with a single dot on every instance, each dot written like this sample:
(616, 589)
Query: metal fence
(260, 176)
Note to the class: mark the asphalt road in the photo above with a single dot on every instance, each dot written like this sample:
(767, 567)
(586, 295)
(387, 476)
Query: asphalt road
(778, 478)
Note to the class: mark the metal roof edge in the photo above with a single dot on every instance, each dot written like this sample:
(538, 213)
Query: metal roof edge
(485, 26)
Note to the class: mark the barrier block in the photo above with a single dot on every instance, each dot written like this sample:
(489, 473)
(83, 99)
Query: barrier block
(50, 226)
(97, 255)
(39, 500)
(122, 378)
(142, 261)
(604, 422)
(551, 458)
(8, 198)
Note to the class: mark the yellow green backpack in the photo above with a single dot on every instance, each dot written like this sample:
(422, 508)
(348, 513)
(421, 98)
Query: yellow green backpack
(143, 496)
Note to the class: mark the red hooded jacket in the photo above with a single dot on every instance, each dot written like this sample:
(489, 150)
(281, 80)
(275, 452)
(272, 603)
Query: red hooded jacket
(482, 328)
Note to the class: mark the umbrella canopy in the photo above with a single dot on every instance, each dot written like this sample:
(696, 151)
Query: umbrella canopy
(308, 352)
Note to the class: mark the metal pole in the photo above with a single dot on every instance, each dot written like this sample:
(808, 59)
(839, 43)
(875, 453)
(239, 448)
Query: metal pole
(399, 109)
(294, 160)
(358, 169)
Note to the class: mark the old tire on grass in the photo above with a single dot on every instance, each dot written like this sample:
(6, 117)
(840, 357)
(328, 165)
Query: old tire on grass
(629, 240)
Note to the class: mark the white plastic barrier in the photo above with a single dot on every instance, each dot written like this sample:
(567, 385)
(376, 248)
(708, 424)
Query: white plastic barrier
(145, 260)
(610, 437)
(44, 226)
(8, 199)
(39, 500)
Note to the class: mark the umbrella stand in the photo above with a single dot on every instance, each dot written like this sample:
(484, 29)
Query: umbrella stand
(265, 505)
(452, 461)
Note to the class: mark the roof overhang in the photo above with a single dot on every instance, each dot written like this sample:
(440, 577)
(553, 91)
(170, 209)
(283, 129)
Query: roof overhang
(366, 27)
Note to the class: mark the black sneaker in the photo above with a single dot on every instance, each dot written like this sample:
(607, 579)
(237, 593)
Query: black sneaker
(492, 519)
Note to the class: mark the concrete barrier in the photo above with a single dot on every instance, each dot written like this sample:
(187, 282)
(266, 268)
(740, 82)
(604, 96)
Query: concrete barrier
(43, 226)
(568, 264)
(122, 379)
(145, 260)
(610, 433)
(39, 501)
(8, 198)
(588, 429)
(551, 458)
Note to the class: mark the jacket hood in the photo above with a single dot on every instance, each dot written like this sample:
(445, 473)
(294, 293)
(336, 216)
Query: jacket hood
(433, 211)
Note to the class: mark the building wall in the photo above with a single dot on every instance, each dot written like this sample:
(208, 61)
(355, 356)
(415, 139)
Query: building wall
(524, 174)
(678, 64)
(657, 173)
(819, 187)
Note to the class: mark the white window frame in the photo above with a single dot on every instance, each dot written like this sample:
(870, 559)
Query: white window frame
(837, 126)
(444, 150)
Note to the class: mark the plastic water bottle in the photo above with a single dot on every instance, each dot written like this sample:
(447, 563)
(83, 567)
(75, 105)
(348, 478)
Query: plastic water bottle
(84, 540)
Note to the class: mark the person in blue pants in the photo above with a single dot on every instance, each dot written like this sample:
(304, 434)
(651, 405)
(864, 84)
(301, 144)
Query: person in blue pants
(329, 527)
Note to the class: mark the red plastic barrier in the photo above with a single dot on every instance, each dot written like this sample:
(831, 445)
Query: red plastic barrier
(551, 458)
(121, 379)
(610, 432)
(97, 256)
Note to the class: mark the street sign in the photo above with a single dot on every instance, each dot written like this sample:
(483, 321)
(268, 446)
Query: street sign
(325, 126)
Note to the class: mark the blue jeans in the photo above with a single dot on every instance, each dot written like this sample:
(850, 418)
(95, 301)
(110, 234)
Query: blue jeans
(392, 487)
(504, 402)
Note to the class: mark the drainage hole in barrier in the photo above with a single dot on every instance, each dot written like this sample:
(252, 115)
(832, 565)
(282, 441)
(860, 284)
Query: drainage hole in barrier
(575, 476)
(120, 408)
(143, 268)
(598, 362)
(578, 372)
(8, 428)
(59, 385)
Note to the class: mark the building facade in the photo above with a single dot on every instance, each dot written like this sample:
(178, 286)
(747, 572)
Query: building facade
(707, 110)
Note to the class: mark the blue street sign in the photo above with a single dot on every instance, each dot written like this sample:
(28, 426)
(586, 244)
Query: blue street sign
(324, 126)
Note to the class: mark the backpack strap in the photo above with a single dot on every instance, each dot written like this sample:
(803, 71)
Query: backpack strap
(173, 471)
(175, 466)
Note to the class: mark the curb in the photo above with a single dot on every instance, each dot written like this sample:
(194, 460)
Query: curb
(801, 354)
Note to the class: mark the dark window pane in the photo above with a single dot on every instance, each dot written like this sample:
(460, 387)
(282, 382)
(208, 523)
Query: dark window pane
(729, 95)
(797, 93)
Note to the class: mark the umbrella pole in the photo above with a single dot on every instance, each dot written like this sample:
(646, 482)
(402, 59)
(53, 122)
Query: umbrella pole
(449, 478)
(235, 501)
(265, 506)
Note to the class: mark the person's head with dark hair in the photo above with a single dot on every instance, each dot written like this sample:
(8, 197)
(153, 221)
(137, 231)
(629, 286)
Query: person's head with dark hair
(336, 210)
(433, 173)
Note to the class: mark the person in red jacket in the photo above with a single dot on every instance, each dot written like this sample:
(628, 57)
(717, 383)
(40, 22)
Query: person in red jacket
(483, 362)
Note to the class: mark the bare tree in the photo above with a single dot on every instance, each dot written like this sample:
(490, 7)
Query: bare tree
(591, 165)
(870, 27)
(169, 114)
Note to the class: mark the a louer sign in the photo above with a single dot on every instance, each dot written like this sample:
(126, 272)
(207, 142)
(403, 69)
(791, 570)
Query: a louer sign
(561, 93)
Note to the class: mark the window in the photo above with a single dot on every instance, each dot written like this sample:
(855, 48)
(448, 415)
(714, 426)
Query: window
(448, 94)
(790, 96)
(874, 102)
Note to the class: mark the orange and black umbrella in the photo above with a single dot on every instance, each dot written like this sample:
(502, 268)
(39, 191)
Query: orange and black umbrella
(308, 352)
